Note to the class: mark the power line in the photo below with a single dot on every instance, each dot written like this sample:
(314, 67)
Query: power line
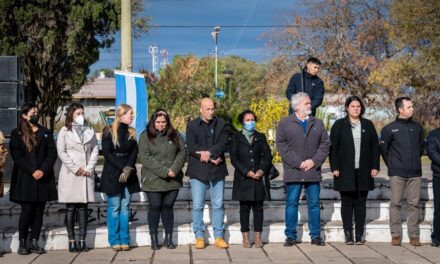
(224, 26)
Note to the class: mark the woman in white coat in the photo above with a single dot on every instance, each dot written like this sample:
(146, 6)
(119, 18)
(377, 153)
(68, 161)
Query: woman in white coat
(78, 151)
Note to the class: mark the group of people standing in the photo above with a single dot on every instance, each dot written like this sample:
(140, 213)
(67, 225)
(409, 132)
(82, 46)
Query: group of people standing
(301, 139)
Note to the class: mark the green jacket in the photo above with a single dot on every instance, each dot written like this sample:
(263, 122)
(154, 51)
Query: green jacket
(158, 157)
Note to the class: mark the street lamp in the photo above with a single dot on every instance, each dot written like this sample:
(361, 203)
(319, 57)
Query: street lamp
(214, 35)
(228, 75)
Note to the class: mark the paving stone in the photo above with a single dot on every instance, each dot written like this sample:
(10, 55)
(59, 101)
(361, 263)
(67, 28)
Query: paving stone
(253, 254)
(360, 254)
(281, 254)
(325, 254)
(401, 255)
(55, 257)
(14, 258)
(427, 251)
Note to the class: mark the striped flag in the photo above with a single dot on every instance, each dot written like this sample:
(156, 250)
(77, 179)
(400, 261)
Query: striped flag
(132, 90)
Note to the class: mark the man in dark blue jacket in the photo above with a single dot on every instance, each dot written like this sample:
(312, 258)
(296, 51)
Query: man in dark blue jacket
(433, 148)
(308, 82)
(402, 147)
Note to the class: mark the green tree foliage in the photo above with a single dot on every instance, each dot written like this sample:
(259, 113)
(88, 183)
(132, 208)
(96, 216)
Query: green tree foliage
(187, 79)
(348, 36)
(59, 40)
(414, 29)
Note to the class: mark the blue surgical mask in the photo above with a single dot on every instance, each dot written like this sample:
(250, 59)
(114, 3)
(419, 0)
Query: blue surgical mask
(249, 126)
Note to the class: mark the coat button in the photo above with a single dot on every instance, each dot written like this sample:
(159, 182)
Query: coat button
(252, 160)
(250, 151)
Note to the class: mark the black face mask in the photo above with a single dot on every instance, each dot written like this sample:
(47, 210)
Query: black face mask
(34, 119)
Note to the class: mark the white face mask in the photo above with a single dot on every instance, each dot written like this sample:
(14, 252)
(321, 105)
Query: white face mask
(79, 120)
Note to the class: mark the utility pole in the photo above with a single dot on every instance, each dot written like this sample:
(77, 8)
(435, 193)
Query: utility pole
(126, 55)
(214, 35)
(153, 50)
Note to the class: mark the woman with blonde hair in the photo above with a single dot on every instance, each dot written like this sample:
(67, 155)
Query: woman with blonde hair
(119, 180)
(78, 151)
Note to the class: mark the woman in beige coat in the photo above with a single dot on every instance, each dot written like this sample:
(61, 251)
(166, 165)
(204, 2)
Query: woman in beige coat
(78, 151)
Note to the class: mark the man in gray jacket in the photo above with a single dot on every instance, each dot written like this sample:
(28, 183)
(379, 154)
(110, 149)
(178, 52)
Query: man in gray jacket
(304, 145)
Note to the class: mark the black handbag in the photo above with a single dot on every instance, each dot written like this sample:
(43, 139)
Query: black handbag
(273, 172)
(97, 181)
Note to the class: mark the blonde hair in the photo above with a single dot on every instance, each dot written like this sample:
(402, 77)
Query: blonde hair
(2, 138)
(120, 111)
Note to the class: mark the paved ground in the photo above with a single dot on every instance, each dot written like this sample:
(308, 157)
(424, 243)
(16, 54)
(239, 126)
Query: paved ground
(374, 253)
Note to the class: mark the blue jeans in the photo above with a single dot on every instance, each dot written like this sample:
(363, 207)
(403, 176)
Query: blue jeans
(117, 218)
(216, 191)
(314, 211)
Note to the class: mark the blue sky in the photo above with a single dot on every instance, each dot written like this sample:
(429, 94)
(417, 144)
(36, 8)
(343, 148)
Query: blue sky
(244, 42)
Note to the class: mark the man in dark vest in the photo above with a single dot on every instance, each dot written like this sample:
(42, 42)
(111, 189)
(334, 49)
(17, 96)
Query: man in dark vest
(307, 81)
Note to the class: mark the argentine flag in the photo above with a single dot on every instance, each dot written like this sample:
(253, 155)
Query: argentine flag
(132, 90)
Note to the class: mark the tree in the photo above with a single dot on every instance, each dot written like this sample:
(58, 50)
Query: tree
(188, 78)
(349, 36)
(59, 40)
(414, 29)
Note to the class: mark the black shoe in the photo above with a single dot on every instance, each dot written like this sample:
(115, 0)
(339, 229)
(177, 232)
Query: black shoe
(359, 239)
(168, 242)
(348, 237)
(34, 248)
(72, 246)
(22, 248)
(435, 244)
(154, 242)
(82, 247)
(318, 242)
(289, 242)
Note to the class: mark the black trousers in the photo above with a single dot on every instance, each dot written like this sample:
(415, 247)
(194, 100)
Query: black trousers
(245, 209)
(31, 215)
(435, 236)
(76, 211)
(354, 202)
(161, 206)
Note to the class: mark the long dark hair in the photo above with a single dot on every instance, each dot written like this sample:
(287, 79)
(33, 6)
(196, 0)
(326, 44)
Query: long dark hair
(69, 114)
(352, 98)
(171, 133)
(24, 128)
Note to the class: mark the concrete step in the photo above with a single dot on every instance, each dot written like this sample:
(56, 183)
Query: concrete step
(381, 191)
(273, 212)
(55, 238)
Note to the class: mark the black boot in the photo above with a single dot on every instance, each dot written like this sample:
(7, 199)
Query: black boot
(359, 238)
(34, 248)
(82, 247)
(22, 248)
(168, 242)
(154, 242)
(72, 246)
(348, 237)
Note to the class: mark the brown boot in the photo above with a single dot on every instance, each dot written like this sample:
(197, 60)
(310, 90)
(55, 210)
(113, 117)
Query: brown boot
(258, 241)
(246, 242)
(415, 241)
(395, 241)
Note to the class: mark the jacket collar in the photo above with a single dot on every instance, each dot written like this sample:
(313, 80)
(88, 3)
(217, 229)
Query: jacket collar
(295, 119)
(244, 139)
(214, 121)
(308, 75)
(403, 120)
(88, 135)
